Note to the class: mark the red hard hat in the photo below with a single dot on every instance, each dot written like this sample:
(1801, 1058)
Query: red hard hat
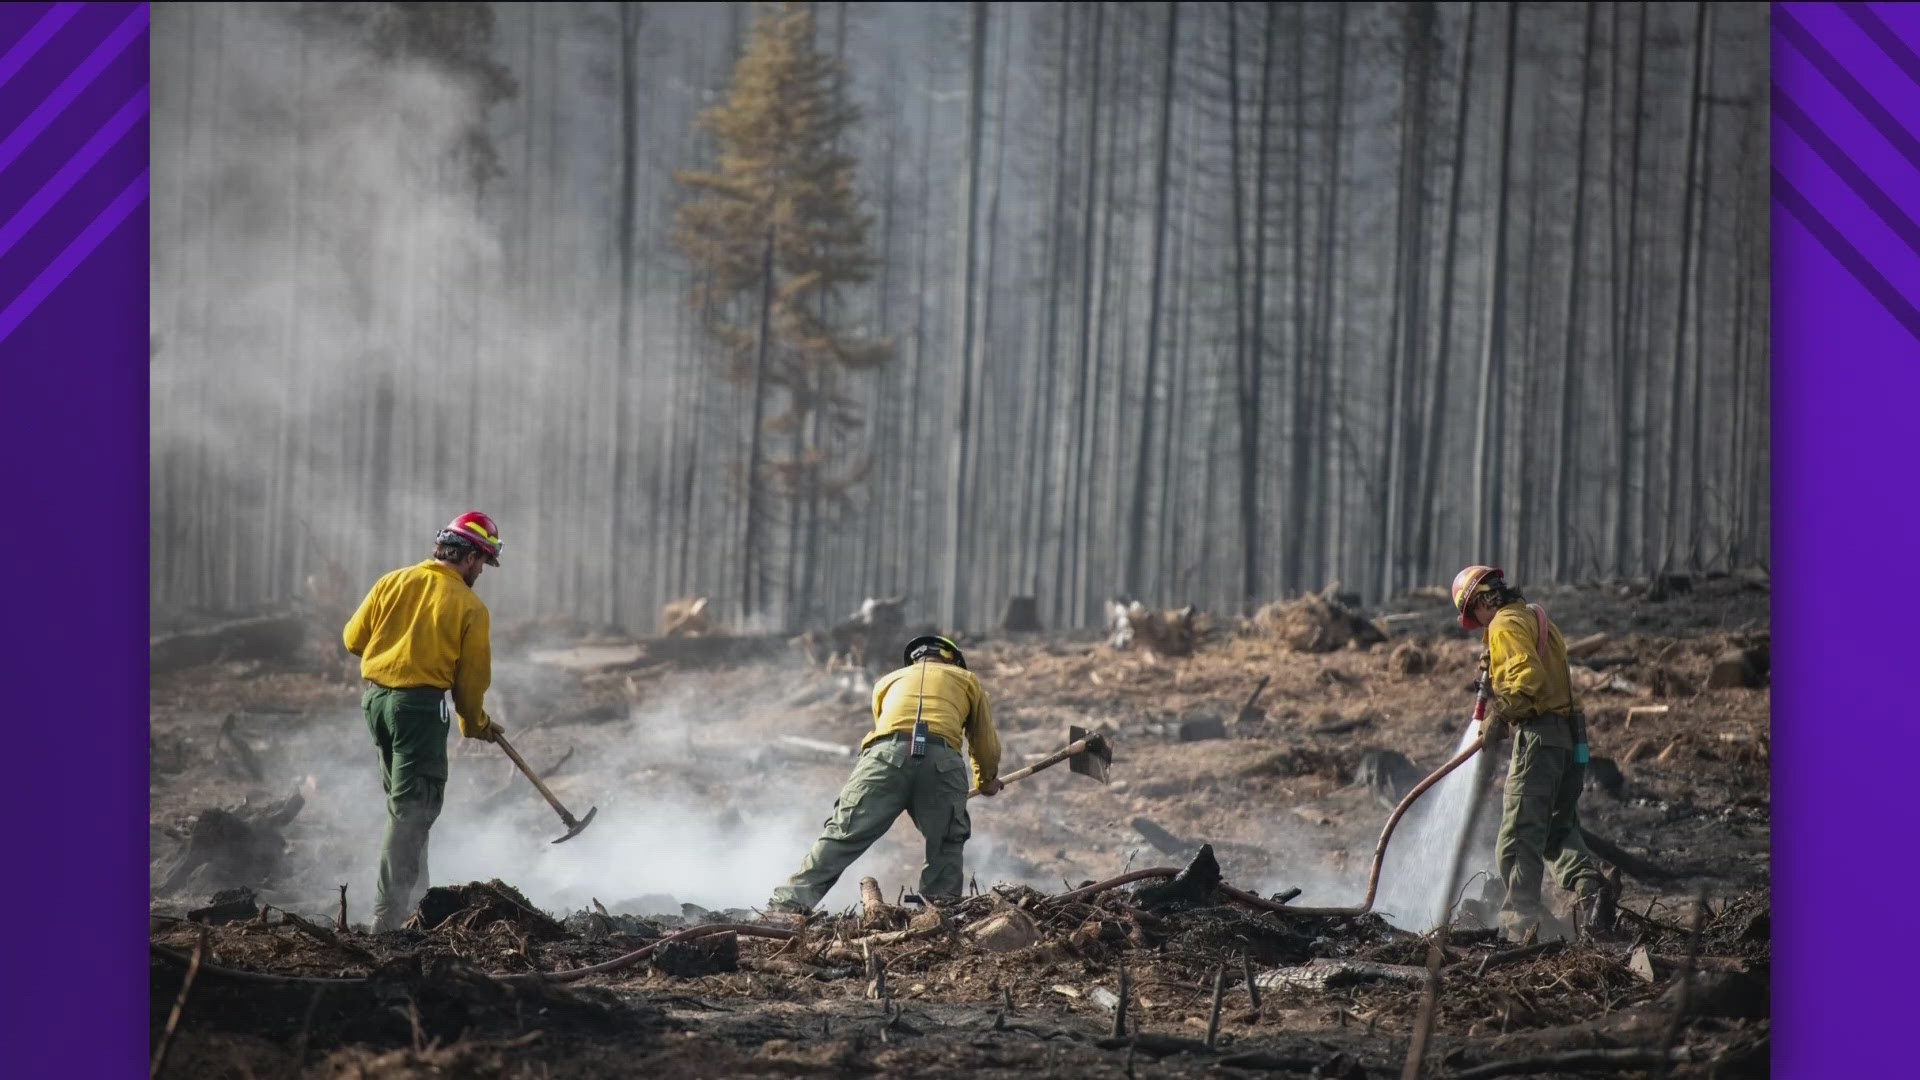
(1465, 584)
(476, 530)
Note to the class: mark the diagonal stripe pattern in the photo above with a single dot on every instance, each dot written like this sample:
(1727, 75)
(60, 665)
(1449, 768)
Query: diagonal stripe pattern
(83, 65)
(29, 45)
(1844, 76)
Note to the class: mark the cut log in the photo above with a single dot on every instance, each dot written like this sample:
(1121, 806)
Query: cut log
(1327, 974)
(266, 637)
(1646, 710)
(1586, 645)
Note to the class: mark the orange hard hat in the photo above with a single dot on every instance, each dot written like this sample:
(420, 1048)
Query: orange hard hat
(1466, 585)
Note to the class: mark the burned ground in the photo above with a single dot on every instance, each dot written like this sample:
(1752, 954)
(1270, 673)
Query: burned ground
(712, 770)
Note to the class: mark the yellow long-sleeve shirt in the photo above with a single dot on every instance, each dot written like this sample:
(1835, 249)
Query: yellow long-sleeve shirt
(422, 626)
(1529, 677)
(952, 703)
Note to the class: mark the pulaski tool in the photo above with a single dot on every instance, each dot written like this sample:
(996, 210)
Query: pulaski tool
(573, 825)
(1088, 755)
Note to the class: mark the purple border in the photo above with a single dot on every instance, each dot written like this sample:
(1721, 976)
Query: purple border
(1846, 379)
(73, 451)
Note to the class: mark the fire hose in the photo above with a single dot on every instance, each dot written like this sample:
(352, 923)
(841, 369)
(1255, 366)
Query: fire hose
(1481, 698)
(1253, 901)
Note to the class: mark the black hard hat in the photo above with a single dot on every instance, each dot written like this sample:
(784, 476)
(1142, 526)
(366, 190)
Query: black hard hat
(938, 647)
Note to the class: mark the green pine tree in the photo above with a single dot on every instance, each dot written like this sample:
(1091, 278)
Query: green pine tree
(776, 234)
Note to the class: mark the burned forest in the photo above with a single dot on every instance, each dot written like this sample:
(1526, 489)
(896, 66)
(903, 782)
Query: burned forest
(1146, 370)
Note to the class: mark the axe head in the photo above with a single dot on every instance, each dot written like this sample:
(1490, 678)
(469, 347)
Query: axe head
(1092, 761)
(575, 828)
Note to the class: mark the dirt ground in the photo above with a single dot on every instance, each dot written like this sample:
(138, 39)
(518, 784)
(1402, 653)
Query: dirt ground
(706, 802)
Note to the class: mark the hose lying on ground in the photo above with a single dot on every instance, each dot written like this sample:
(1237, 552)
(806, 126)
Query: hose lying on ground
(1250, 900)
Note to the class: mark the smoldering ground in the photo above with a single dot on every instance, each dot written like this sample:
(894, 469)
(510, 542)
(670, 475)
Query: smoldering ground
(697, 801)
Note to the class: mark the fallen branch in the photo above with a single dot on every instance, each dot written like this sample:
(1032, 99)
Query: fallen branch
(1583, 1061)
(926, 924)
(179, 1006)
(267, 637)
(324, 937)
(1651, 872)
(1248, 711)
(1259, 1059)
(840, 750)
(1511, 956)
(1648, 920)
(1645, 710)
(1322, 973)
(1585, 645)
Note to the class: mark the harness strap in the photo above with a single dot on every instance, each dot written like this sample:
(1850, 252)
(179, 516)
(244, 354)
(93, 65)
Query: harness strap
(919, 748)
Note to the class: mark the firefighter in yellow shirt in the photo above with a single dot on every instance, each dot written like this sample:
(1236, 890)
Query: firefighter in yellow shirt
(420, 633)
(911, 761)
(1533, 699)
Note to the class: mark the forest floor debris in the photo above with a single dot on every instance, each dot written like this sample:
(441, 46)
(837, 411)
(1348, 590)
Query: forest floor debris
(1009, 980)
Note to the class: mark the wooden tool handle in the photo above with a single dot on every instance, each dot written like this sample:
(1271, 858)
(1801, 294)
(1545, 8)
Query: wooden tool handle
(538, 786)
(1047, 762)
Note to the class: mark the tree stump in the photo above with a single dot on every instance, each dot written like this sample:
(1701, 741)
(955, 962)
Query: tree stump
(1022, 614)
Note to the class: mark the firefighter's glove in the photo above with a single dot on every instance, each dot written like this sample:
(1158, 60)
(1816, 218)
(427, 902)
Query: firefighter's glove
(1495, 729)
(488, 734)
(991, 787)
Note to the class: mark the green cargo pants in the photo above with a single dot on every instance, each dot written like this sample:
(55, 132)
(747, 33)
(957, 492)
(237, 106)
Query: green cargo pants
(888, 779)
(1540, 821)
(409, 729)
